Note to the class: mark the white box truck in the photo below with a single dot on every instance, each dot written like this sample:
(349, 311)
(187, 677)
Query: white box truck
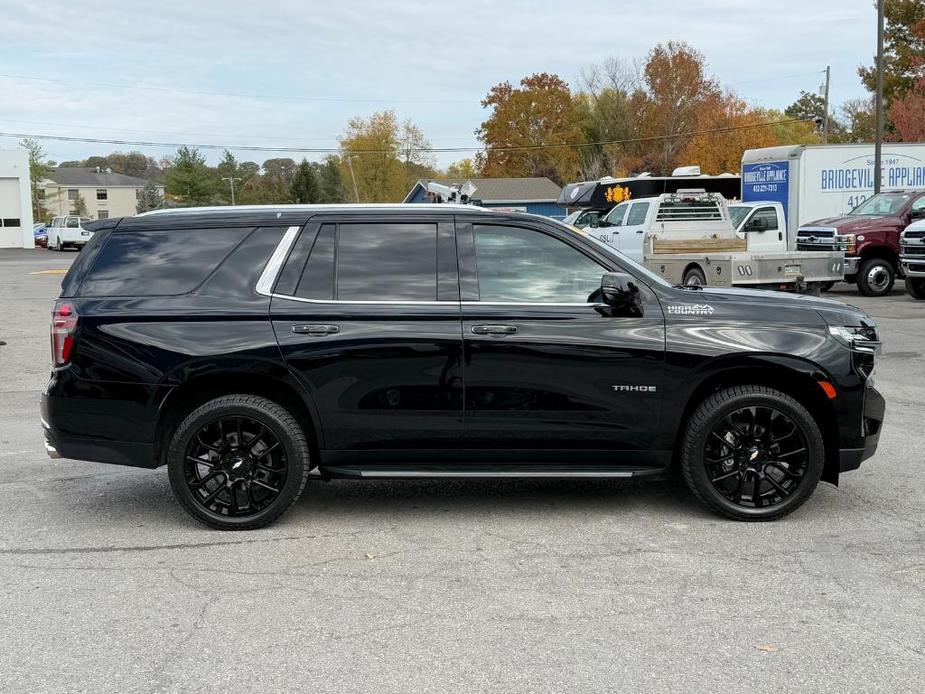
(814, 182)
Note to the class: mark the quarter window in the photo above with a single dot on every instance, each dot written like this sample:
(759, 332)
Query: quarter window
(637, 214)
(386, 262)
(525, 266)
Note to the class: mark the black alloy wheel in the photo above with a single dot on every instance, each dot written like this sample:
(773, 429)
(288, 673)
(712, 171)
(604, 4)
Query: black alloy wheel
(752, 453)
(235, 466)
(756, 456)
(238, 462)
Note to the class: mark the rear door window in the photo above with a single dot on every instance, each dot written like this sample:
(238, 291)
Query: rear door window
(386, 262)
(158, 263)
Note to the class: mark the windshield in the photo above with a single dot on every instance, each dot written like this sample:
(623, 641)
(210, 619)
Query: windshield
(883, 204)
(737, 214)
(624, 260)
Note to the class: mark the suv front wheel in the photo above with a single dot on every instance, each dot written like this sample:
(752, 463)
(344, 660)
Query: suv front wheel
(238, 462)
(752, 453)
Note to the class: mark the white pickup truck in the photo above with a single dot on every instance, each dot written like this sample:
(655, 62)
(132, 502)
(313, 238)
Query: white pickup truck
(690, 238)
(68, 231)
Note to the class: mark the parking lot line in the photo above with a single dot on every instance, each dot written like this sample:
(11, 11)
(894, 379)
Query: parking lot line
(60, 271)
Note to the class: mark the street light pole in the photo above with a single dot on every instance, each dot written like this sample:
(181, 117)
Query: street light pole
(825, 115)
(231, 180)
(878, 136)
(356, 193)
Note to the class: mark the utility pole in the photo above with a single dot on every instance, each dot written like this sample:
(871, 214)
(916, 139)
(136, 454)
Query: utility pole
(825, 114)
(356, 193)
(231, 180)
(878, 136)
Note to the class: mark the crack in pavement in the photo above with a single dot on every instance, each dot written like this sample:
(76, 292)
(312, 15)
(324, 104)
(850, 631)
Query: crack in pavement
(145, 548)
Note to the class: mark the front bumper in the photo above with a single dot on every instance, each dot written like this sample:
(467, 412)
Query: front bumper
(871, 423)
(912, 266)
(851, 265)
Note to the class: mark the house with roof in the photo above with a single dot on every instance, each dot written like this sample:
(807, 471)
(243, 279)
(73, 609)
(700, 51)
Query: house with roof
(536, 195)
(105, 193)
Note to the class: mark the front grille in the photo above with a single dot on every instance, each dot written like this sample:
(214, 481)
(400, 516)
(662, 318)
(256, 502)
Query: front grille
(913, 244)
(809, 239)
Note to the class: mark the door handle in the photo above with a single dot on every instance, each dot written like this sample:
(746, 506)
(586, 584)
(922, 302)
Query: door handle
(315, 329)
(494, 329)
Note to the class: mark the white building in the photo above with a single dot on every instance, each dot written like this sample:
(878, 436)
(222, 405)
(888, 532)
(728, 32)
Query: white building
(15, 200)
(105, 194)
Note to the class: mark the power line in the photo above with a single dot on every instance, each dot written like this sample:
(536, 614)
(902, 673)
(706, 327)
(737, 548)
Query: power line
(335, 150)
(283, 97)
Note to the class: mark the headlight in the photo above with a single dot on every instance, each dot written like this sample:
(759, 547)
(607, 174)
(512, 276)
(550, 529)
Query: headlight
(860, 338)
(851, 245)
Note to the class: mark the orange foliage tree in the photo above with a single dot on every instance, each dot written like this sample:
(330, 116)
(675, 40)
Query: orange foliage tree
(538, 112)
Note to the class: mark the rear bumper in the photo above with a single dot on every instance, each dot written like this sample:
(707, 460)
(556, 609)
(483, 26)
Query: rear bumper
(60, 444)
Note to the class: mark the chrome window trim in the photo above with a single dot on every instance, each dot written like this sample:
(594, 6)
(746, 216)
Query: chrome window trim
(395, 302)
(268, 277)
(274, 266)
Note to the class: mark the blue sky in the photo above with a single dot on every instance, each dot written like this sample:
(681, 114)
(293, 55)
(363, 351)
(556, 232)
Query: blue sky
(291, 73)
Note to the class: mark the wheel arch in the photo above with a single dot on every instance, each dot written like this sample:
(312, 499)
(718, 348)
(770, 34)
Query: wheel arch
(186, 397)
(794, 377)
(882, 253)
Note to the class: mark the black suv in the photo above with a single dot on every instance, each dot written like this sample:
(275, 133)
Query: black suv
(249, 349)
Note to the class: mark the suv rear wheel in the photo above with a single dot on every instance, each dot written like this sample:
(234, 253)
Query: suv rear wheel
(876, 277)
(238, 462)
(752, 453)
(915, 286)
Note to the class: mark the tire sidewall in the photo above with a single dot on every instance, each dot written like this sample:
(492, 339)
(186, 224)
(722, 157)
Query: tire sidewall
(210, 412)
(696, 468)
(865, 269)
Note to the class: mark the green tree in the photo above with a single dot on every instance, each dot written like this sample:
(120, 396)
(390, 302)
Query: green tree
(189, 179)
(151, 198)
(304, 187)
(860, 120)
(330, 187)
(903, 50)
(38, 170)
(79, 206)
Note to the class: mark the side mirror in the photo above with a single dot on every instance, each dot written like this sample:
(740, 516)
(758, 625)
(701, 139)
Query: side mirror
(621, 293)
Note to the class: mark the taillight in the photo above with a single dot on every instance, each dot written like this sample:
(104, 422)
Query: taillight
(63, 325)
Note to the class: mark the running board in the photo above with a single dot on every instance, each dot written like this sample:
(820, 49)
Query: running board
(485, 472)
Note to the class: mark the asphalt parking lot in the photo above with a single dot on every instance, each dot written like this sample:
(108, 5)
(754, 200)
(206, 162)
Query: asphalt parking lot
(106, 585)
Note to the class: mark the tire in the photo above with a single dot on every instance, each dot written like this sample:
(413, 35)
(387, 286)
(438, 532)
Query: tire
(202, 482)
(694, 277)
(718, 494)
(915, 287)
(876, 277)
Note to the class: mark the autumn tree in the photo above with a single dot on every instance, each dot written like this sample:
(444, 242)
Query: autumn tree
(903, 50)
(907, 113)
(860, 120)
(527, 127)
(786, 131)
(676, 89)
(383, 157)
(737, 128)
(464, 168)
(607, 110)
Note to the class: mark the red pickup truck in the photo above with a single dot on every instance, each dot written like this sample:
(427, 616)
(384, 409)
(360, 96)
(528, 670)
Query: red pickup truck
(870, 236)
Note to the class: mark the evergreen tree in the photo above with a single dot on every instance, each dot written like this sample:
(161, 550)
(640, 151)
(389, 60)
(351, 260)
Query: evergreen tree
(150, 199)
(80, 206)
(189, 179)
(304, 187)
(329, 181)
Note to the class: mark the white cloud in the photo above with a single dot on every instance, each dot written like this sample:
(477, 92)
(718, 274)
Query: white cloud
(398, 51)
